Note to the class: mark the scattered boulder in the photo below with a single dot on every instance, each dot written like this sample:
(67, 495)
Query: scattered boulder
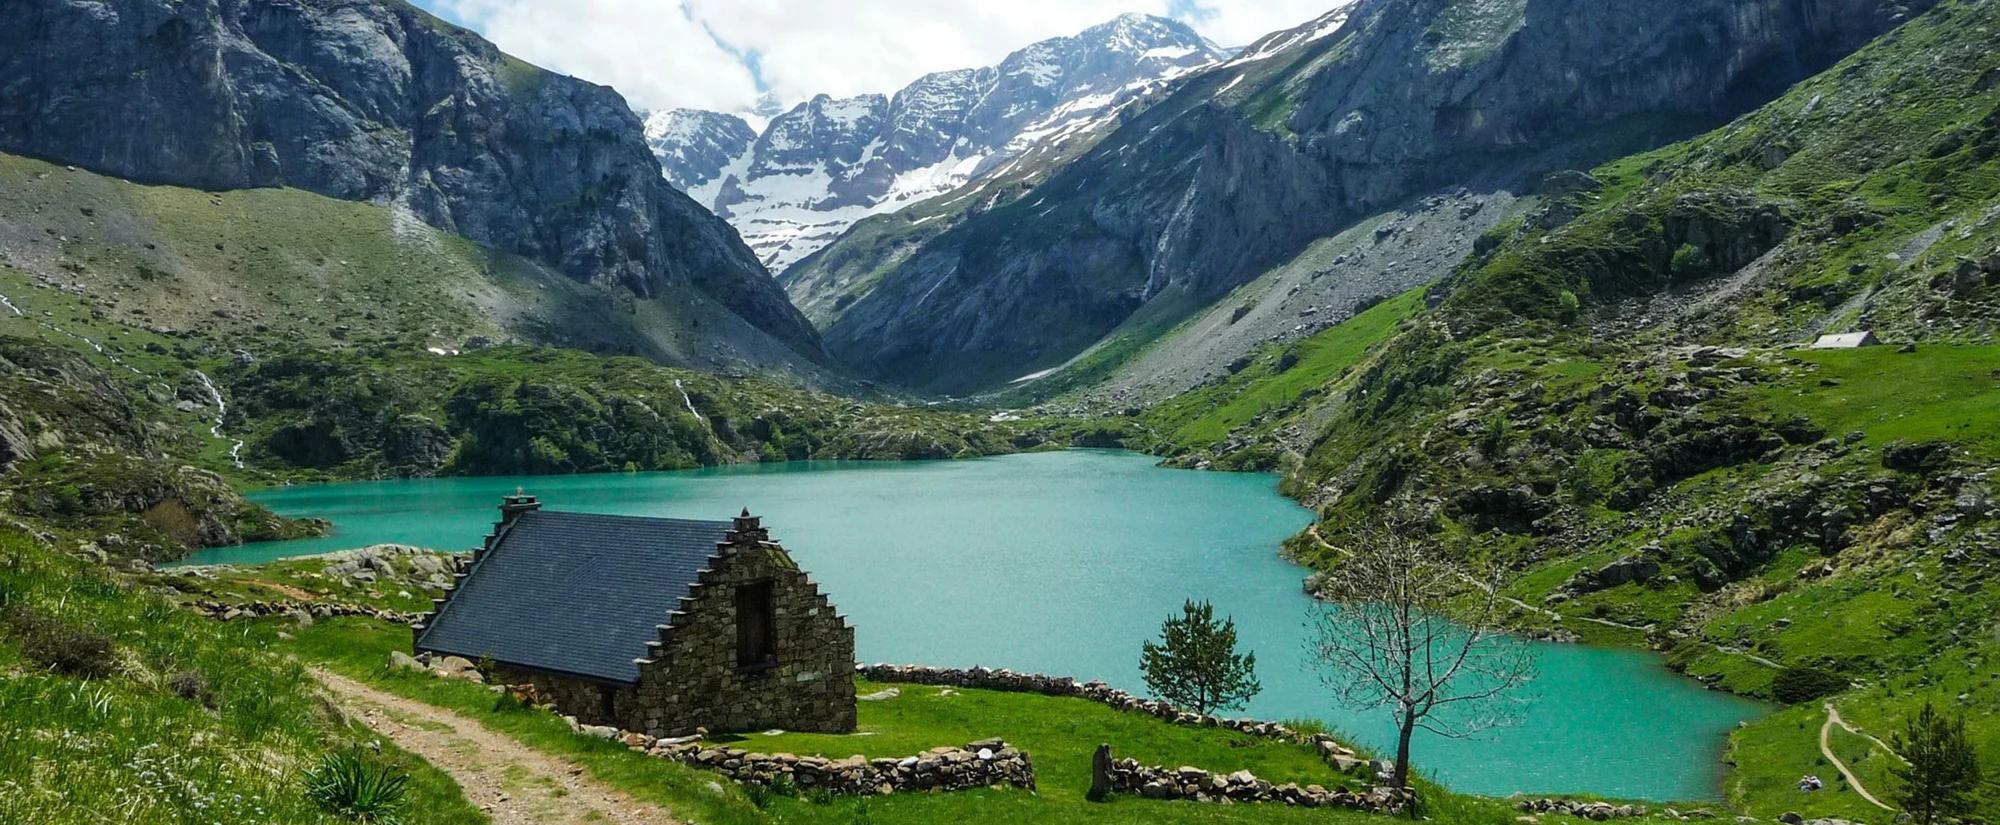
(1628, 569)
(1918, 457)
(458, 667)
(1567, 182)
(1495, 507)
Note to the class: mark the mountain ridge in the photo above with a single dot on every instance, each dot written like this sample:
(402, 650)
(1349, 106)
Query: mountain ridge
(1244, 165)
(374, 101)
(813, 171)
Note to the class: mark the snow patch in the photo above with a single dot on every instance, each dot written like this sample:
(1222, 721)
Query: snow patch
(1282, 41)
(1036, 376)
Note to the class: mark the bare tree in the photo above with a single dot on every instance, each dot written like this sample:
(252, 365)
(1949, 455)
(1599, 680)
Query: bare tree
(1405, 629)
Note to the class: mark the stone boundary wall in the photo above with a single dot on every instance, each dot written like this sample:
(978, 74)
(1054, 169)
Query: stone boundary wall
(977, 765)
(317, 610)
(1128, 776)
(1593, 811)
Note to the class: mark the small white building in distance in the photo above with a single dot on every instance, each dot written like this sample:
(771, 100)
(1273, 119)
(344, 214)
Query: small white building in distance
(1848, 340)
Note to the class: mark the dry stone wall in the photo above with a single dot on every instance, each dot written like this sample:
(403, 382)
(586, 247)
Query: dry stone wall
(1594, 811)
(980, 764)
(290, 607)
(1190, 783)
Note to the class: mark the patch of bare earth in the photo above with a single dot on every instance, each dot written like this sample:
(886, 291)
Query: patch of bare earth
(512, 783)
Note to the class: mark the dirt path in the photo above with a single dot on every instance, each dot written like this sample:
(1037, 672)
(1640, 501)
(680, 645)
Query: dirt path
(512, 783)
(1826, 750)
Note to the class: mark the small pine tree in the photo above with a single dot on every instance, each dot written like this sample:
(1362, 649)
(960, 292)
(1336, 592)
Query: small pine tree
(1196, 665)
(1941, 772)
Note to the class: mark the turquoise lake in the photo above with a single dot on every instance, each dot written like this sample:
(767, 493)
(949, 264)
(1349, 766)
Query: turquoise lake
(1065, 563)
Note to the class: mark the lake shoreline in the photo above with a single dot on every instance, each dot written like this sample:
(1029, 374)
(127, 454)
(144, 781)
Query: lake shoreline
(1013, 524)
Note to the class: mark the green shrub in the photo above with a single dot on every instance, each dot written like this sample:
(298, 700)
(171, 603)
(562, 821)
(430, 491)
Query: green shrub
(60, 646)
(351, 785)
(1796, 685)
(1689, 262)
(780, 786)
(192, 686)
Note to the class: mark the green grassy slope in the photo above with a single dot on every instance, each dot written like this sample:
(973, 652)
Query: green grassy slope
(1816, 512)
(1275, 382)
(1060, 734)
(512, 410)
(259, 268)
(188, 722)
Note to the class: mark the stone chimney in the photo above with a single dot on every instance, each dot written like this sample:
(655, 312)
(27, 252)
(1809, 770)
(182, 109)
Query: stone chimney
(513, 506)
(749, 529)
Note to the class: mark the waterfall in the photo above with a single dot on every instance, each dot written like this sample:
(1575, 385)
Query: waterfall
(221, 412)
(689, 402)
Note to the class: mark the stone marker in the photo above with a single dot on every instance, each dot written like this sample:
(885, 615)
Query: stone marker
(1100, 774)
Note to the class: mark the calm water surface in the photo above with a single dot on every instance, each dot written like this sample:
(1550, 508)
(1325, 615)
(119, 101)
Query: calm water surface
(1064, 563)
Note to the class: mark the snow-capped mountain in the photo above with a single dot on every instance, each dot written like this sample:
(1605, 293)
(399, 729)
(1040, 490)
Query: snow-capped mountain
(827, 163)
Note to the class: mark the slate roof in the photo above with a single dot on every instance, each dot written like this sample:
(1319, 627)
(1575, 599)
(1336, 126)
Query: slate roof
(573, 593)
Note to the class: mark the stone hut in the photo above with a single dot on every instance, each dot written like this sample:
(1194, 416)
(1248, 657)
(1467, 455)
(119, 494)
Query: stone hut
(1847, 340)
(660, 626)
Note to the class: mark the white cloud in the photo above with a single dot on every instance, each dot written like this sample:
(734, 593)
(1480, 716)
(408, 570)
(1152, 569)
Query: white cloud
(668, 53)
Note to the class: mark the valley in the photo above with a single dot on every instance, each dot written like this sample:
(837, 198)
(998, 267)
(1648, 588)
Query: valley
(1013, 360)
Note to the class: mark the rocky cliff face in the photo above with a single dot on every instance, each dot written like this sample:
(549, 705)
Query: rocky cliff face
(1310, 130)
(697, 147)
(369, 100)
(827, 163)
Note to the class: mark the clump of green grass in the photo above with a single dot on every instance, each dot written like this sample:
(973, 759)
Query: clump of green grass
(360, 789)
(60, 646)
(197, 723)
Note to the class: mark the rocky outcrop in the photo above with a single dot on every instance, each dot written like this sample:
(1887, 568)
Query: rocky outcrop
(1246, 164)
(370, 100)
(1625, 570)
(14, 443)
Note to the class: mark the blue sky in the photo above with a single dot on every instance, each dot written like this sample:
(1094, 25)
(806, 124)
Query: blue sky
(724, 54)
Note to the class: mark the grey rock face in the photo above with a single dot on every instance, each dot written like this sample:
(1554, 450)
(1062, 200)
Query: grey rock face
(369, 100)
(696, 147)
(829, 162)
(1222, 180)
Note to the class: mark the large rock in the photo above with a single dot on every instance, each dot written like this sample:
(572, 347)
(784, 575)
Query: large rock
(15, 445)
(1918, 457)
(1627, 570)
(370, 100)
(1495, 507)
